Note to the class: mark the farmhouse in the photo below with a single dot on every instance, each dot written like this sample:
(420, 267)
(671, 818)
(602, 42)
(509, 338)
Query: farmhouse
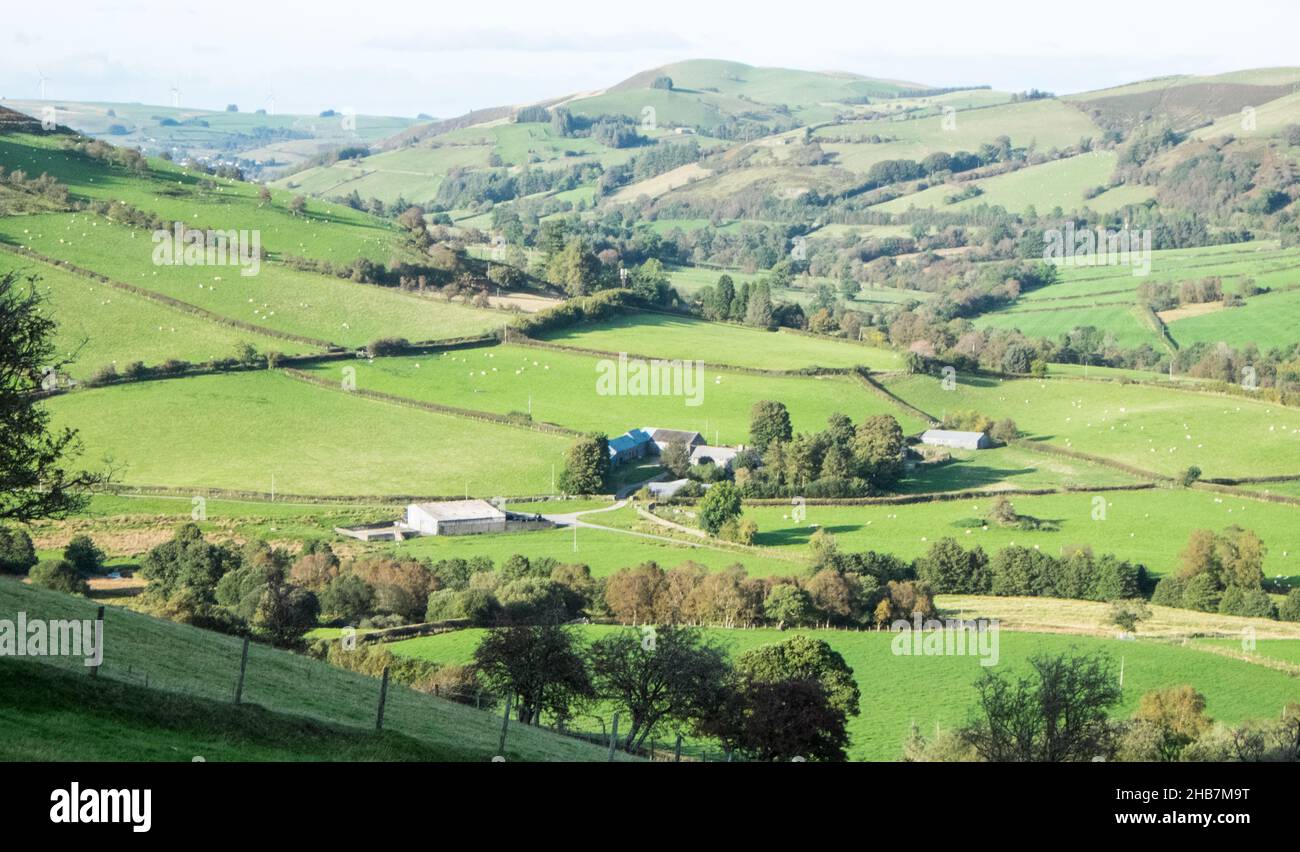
(664, 437)
(720, 456)
(633, 444)
(648, 441)
(455, 517)
(955, 440)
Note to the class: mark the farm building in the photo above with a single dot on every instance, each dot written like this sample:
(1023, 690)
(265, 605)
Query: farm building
(955, 440)
(633, 444)
(455, 517)
(720, 456)
(664, 437)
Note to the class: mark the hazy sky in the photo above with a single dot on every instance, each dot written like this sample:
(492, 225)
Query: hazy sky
(402, 57)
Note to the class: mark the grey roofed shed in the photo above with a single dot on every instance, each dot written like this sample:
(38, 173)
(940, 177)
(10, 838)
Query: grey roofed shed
(954, 439)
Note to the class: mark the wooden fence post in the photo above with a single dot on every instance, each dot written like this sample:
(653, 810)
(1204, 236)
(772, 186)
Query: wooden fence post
(383, 696)
(243, 666)
(505, 725)
(613, 738)
(677, 752)
(99, 619)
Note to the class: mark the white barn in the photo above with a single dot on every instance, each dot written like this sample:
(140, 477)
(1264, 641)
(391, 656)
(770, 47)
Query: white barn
(455, 517)
(720, 456)
(955, 440)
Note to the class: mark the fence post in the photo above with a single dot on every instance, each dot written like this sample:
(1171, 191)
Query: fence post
(677, 752)
(383, 696)
(243, 666)
(613, 738)
(505, 725)
(99, 619)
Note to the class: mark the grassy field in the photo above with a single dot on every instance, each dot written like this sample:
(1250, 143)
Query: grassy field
(1150, 526)
(678, 337)
(202, 666)
(1150, 428)
(1043, 123)
(99, 324)
(1009, 467)
(1117, 319)
(237, 431)
(561, 388)
(1263, 261)
(1269, 321)
(327, 231)
(898, 691)
(1057, 183)
(604, 551)
(277, 297)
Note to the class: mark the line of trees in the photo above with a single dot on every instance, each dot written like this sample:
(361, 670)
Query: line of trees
(777, 702)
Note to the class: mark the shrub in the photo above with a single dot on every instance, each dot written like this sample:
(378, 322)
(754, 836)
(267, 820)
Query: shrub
(59, 575)
(1169, 592)
(1290, 608)
(1253, 602)
(1201, 594)
(17, 555)
(84, 555)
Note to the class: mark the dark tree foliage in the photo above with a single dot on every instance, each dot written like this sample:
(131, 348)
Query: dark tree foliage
(1056, 713)
(670, 675)
(540, 665)
(35, 481)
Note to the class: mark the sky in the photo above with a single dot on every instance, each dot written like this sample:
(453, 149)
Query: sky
(398, 57)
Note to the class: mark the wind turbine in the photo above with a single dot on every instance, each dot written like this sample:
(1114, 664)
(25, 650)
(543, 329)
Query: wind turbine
(176, 94)
(270, 99)
(43, 81)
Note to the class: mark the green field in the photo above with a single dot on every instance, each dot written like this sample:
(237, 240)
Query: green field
(1156, 429)
(1149, 526)
(1007, 466)
(237, 431)
(327, 231)
(1269, 321)
(604, 551)
(1118, 320)
(713, 343)
(277, 297)
(203, 665)
(99, 324)
(1057, 183)
(898, 691)
(561, 388)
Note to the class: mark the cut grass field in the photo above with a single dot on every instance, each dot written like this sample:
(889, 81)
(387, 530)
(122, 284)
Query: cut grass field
(929, 691)
(662, 336)
(1156, 429)
(236, 431)
(561, 388)
(99, 324)
(1148, 526)
(202, 666)
(277, 297)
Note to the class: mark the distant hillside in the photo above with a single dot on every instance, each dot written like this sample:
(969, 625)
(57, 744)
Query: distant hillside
(1186, 102)
(254, 140)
